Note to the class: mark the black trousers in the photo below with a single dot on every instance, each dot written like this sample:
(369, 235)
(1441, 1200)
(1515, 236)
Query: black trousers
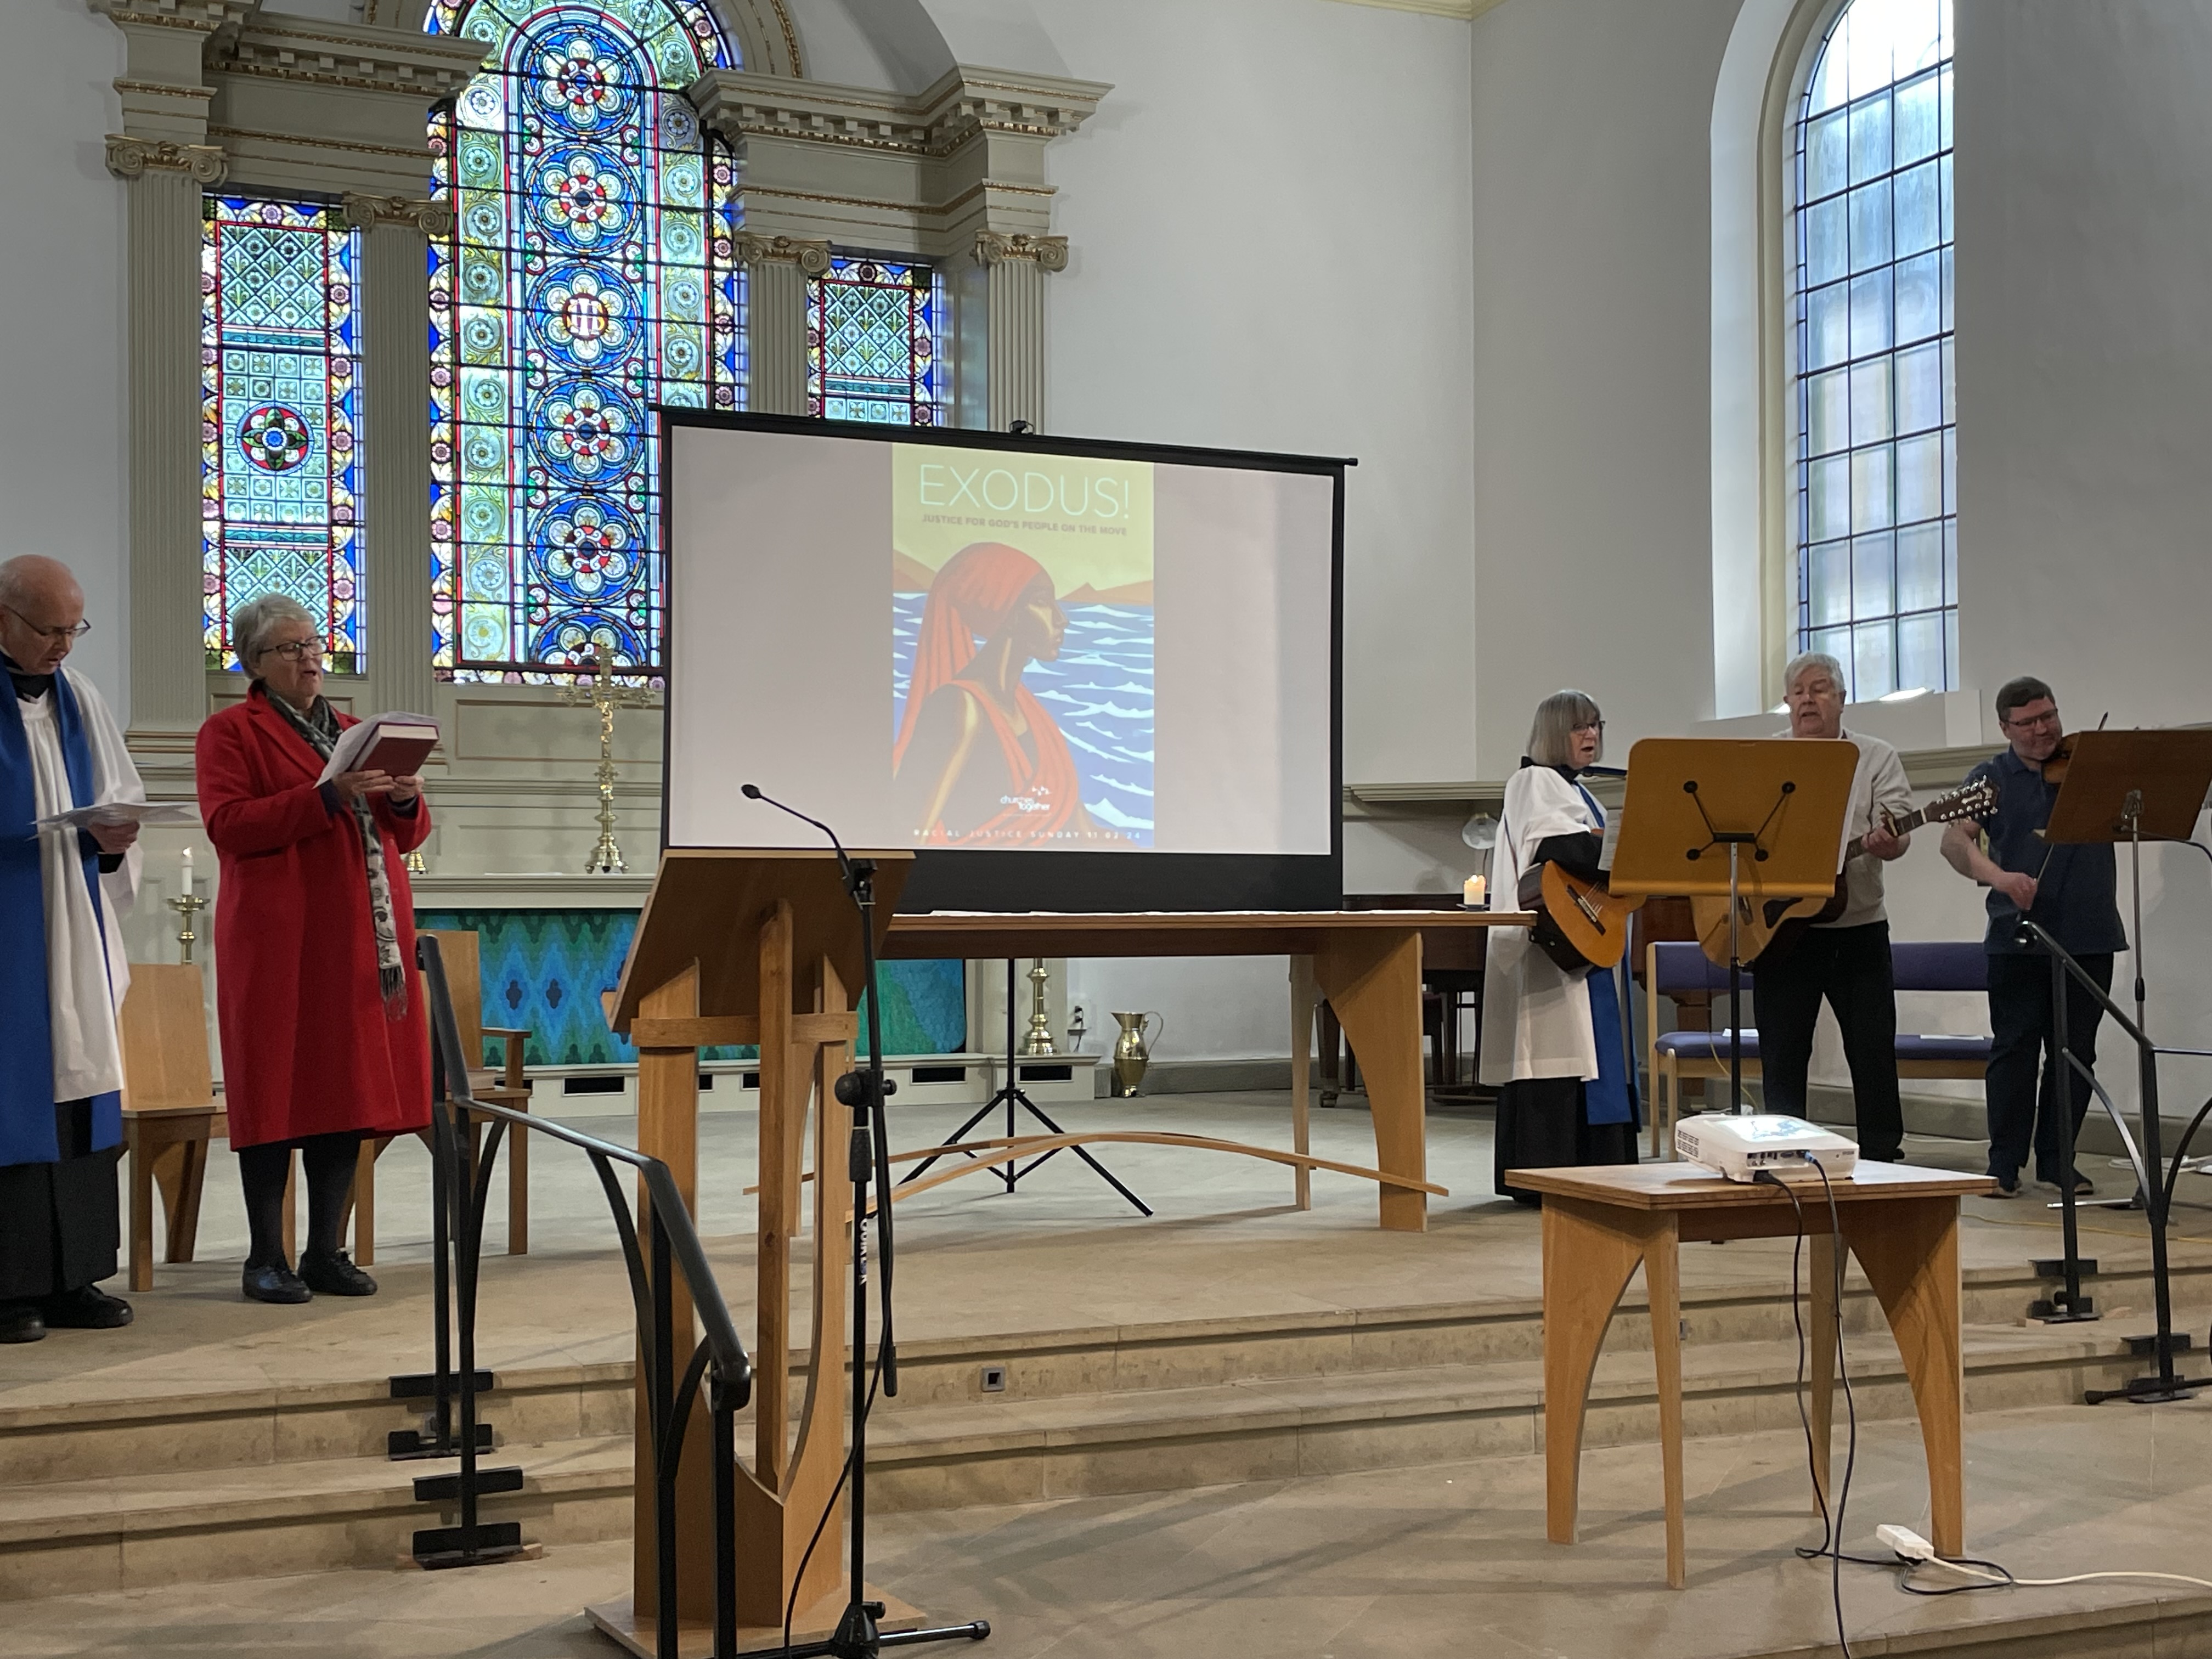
(59, 1226)
(1543, 1123)
(1849, 967)
(2020, 1018)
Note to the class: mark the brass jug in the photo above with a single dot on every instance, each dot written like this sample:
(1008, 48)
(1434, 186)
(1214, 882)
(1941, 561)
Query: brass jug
(1131, 1056)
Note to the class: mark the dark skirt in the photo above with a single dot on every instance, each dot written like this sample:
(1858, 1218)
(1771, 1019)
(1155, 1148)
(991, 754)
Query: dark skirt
(1541, 1125)
(59, 1226)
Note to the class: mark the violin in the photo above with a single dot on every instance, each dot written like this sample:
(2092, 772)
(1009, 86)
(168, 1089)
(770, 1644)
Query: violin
(2054, 770)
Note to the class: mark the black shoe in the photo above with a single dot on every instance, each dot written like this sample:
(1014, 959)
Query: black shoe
(276, 1283)
(2082, 1185)
(86, 1309)
(334, 1275)
(2007, 1185)
(21, 1321)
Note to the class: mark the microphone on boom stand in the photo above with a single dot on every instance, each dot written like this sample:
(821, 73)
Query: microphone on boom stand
(864, 1091)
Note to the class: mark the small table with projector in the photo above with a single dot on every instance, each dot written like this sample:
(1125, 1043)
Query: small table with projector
(1901, 1222)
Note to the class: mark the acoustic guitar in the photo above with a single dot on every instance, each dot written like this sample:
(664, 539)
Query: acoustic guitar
(1580, 924)
(1763, 924)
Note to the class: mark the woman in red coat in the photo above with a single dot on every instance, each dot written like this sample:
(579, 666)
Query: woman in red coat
(323, 1034)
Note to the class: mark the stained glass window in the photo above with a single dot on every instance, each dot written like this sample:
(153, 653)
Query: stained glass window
(590, 274)
(871, 343)
(279, 412)
(1876, 527)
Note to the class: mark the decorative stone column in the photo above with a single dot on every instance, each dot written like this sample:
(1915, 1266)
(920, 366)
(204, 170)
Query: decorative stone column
(168, 664)
(777, 272)
(1015, 267)
(396, 443)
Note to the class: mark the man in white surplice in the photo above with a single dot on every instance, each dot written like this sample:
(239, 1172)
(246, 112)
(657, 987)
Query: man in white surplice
(62, 970)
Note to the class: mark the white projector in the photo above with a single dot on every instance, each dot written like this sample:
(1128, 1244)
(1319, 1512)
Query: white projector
(1740, 1147)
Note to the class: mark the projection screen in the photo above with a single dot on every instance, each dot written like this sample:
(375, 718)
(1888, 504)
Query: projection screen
(1071, 676)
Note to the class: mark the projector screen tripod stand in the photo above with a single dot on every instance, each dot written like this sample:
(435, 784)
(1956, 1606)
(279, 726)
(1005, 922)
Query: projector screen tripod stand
(1011, 1096)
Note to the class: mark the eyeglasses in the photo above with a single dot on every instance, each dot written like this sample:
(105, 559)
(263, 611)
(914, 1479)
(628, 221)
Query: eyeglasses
(67, 634)
(1597, 726)
(294, 650)
(2048, 717)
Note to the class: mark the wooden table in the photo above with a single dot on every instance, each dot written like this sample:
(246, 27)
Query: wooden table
(1367, 963)
(1902, 1223)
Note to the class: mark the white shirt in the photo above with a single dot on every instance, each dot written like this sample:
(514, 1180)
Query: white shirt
(1879, 781)
(86, 973)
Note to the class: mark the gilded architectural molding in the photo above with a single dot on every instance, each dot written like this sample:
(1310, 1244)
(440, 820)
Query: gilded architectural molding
(812, 258)
(963, 105)
(365, 211)
(132, 158)
(1046, 253)
(365, 59)
(199, 16)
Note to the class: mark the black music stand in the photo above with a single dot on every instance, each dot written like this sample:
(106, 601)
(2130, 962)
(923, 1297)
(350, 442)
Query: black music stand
(1781, 799)
(2129, 787)
(1011, 1095)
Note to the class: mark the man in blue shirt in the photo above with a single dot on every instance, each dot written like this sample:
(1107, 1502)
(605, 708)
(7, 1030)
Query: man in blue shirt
(2069, 892)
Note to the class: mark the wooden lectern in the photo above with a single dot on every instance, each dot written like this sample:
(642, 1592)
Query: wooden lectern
(752, 947)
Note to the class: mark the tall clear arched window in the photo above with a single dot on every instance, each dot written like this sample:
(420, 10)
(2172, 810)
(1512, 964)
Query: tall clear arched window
(1876, 502)
(589, 274)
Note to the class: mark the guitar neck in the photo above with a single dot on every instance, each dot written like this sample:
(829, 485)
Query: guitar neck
(1904, 826)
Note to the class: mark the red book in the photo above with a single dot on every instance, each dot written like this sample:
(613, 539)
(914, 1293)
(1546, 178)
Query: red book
(394, 744)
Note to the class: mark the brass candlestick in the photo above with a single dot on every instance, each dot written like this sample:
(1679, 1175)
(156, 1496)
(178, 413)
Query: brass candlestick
(1039, 1040)
(187, 906)
(605, 697)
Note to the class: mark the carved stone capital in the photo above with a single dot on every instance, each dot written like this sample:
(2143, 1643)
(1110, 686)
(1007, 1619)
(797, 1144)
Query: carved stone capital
(811, 258)
(1047, 253)
(130, 158)
(366, 212)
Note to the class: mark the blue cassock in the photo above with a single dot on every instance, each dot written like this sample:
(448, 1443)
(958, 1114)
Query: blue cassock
(27, 1057)
(1611, 1097)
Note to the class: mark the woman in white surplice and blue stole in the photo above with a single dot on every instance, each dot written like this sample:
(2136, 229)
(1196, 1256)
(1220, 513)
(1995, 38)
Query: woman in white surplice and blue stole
(1553, 1043)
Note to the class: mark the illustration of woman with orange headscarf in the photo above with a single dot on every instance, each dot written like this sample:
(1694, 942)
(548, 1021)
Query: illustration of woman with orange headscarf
(978, 761)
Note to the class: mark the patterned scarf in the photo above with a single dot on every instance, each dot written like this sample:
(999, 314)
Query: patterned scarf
(319, 726)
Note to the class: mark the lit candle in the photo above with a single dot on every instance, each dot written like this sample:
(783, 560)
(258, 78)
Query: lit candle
(187, 889)
(1476, 892)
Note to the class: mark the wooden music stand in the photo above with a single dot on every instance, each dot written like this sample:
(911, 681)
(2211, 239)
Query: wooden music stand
(753, 947)
(1784, 798)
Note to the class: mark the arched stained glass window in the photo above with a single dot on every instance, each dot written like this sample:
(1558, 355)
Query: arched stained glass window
(1876, 526)
(589, 274)
(279, 352)
(872, 354)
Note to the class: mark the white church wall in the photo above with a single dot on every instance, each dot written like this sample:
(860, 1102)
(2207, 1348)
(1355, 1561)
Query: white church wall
(62, 428)
(1592, 504)
(1269, 237)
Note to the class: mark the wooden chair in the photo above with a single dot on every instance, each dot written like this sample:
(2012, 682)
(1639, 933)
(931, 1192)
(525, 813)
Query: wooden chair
(169, 1109)
(504, 1085)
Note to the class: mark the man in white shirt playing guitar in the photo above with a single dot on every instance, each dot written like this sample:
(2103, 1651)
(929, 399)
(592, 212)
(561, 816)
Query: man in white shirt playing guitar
(1845, 961)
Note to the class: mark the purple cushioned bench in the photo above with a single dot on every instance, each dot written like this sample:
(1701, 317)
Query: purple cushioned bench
(1672, 966)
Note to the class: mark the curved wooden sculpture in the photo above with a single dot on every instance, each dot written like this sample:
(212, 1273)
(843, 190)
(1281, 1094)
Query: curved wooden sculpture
(989, 1154)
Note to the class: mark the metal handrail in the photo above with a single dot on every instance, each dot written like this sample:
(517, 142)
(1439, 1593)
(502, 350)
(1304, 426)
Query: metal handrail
(719, 1361)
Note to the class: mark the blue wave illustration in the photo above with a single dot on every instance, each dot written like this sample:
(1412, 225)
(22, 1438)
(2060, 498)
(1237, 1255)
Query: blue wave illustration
(1099, 690)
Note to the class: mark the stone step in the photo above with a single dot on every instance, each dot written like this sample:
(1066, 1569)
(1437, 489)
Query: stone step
(153, 1527)
(539, 1404)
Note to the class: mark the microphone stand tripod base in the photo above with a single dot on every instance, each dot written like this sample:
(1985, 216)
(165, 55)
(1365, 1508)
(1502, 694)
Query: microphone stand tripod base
(811, 1628)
